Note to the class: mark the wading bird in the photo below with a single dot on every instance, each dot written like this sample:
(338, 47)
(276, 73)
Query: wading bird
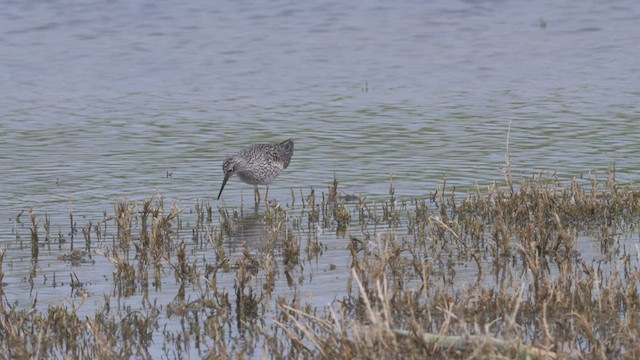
(258, 164)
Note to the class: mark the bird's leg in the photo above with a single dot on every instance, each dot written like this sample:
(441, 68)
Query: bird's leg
(256, 196)
(266, 198)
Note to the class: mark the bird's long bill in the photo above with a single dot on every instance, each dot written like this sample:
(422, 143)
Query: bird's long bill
(224, 182)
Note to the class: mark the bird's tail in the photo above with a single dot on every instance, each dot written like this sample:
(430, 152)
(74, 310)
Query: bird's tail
(287, 151)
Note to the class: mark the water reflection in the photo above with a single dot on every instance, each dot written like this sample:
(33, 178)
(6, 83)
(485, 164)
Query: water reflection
(248, 229)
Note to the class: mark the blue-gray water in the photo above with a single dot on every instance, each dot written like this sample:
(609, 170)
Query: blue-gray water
(104, 100)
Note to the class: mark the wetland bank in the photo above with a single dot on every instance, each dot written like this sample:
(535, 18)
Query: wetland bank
(539, 268)
(105, 102)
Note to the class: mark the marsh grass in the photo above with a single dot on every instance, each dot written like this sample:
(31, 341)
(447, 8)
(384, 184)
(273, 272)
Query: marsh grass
(499, 272)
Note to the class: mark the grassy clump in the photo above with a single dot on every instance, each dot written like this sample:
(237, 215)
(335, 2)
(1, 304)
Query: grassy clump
(539, 269)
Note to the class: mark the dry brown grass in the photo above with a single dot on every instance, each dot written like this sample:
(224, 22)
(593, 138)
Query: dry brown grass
(498, 273)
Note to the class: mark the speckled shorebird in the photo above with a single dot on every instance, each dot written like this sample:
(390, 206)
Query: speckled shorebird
(258, 164)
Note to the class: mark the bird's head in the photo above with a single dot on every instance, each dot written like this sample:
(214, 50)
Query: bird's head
(229, 167)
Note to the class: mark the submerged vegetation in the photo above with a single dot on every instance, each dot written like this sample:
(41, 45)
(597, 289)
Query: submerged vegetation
(539, 269)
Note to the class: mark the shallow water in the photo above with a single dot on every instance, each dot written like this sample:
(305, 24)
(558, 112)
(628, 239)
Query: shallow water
(104, 101)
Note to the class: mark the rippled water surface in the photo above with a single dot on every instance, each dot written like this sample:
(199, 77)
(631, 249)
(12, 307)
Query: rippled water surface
(107, 100)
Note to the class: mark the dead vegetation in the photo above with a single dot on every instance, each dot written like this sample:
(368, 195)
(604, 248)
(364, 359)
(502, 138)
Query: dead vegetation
(543, 268)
